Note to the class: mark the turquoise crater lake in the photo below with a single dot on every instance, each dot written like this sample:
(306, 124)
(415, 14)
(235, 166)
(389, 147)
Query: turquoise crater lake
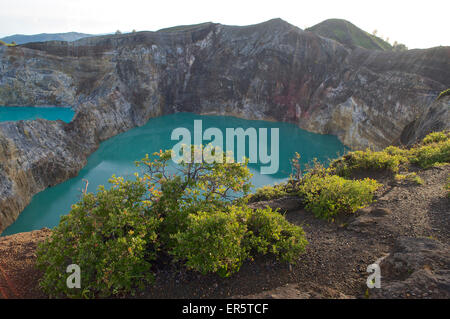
(16, 113)
(118, 155)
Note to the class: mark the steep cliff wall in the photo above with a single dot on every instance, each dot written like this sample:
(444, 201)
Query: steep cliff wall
(435, 117)
(271, 70)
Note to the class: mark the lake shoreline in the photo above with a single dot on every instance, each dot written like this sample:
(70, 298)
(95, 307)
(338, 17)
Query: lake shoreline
(118, 154)
(30, 113)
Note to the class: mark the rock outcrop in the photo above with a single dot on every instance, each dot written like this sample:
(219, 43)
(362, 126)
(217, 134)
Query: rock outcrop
(434, 118)
(271, 70)
(417, 268)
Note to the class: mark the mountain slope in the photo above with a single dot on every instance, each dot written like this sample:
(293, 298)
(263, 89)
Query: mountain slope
(43, 37)
(348, 34)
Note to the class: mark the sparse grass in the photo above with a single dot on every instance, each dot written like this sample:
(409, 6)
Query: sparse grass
(447, 186)
(347, 33)
(411, 177)
(444, 93)
(183, 27)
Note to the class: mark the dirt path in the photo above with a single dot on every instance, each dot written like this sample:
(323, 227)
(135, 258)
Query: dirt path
(408, 225)
(18, 276)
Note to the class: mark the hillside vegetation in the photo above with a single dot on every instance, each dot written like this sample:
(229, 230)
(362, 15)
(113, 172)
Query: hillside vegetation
(329, 191)
(348, 34)
(184, 27)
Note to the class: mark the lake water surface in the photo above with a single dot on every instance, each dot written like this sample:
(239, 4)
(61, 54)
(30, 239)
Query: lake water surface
(13, 113)
(118, 154)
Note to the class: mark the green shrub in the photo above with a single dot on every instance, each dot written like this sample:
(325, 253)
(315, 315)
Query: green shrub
(221, 241)
(434, 148)
(397, 151)
(111, 236)
(316, 168)
(436, 137)
(289, 188)
(372, 160)
(212, 242)
(387, 160)
(330, 195)
(195, 187)
(268, 192)
(270, 232)
(429, 154)
(326, 194)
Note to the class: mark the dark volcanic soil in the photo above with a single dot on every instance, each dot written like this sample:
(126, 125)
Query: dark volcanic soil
(408, 225)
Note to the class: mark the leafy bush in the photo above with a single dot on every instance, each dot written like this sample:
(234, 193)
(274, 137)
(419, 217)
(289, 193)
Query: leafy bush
(436, 137)
(112, 237)
(220, 242)
(321, 190)
(289, 188)
(429, 154)
(268, 192)
(212, 242)
(191, 188)
(434, 148)
(397, 151)
(193, 212)
(330, 195)
(270, 232)
(369, 160)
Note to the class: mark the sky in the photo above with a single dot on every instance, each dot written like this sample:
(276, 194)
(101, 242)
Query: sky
(417, 24)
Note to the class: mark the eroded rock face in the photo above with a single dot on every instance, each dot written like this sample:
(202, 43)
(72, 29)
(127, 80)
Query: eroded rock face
(271, 71)
(434, 118)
